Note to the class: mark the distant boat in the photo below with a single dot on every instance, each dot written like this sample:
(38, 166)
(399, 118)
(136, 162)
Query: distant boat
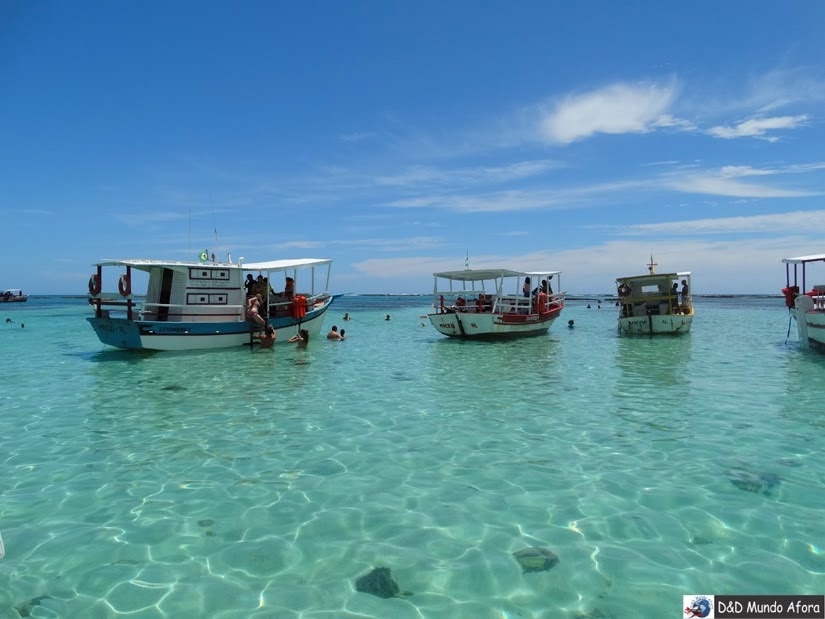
(13, 295)
(492, 303)
(203, 305)
(651, 304)
(807, 308)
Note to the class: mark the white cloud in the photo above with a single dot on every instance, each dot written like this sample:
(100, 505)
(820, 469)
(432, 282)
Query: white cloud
(718, 185)
(739, 266)
(758, 127)
(731, 171)
(774, 223)
(618, 108)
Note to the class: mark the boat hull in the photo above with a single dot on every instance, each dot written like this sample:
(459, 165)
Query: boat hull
(668, 324)
(155, 335)
(492, 326)
(810, 322)
(17, 299)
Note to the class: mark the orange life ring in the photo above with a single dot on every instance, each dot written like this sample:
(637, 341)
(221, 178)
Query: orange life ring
(124, 285)
(94, 285)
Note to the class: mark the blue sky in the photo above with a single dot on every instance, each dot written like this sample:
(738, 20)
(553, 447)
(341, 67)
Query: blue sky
(395, 137)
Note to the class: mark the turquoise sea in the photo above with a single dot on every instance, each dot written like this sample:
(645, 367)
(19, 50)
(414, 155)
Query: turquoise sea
(244, 483)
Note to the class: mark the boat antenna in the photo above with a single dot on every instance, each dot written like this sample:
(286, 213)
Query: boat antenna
(467, 261)
(652, 266)
(189, 249)
(215, 227)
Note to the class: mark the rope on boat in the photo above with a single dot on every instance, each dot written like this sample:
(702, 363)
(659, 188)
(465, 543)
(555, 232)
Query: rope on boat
(790, 319)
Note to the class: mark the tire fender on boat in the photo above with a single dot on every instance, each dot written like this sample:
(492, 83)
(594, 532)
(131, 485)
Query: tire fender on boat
(124, 285)
(94, 285)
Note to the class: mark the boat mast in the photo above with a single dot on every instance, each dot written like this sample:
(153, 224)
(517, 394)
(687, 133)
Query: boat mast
(651, 266)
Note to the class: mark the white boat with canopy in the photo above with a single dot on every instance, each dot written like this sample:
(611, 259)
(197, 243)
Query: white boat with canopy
(495, 303)
(203, 305)
(13, 295)
(806, 302)
(655, 304)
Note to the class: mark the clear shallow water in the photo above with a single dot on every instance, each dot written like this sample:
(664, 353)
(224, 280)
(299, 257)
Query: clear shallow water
(263, 484)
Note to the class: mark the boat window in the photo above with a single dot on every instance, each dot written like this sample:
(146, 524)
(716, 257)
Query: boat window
(201, 274)
(206, 299)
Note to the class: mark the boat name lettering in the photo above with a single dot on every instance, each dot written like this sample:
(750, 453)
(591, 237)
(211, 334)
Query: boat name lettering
(171, 330)
(110, 327)
(446, 325)
(474, 325)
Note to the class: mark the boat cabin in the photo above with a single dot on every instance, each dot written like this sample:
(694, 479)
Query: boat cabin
(658, 294)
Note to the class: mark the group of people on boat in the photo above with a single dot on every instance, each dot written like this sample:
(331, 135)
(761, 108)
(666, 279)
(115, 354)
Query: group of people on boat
(257, 290)
(545, 287)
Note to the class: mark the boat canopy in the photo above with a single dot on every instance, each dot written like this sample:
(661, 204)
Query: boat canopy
(274, 265)
(804, 259)
(14, 291)
(284, 265)
(475, 275)
(653, 278)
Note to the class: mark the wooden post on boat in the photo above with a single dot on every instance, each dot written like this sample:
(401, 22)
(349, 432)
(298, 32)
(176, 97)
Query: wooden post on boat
(129, 302)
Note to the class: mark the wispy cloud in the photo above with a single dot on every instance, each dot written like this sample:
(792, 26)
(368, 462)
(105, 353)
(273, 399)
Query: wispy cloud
(418, 175)
(518, 199)
(774, 223)
(724, 181)
(758, 127)
(357, 136)
(717, 185)
(617, 108)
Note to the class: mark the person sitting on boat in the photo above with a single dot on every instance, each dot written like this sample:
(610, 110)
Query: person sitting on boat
(301, 338)
(253, 310)
(526, 288)
(289, 289)
(333, 334)
(267, 338)
(460, 302)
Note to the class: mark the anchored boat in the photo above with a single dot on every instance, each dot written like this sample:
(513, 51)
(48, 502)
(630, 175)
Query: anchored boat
(807, 308)
(13, 295)
(495, 303)
(655, 304)
(202, 305)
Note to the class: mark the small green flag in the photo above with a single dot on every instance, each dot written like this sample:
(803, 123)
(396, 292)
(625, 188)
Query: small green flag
(204, 256)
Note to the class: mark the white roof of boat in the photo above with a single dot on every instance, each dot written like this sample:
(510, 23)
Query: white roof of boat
(474, 275)
(283, 265)
(654, 276)
(274, 265)
(803, 259)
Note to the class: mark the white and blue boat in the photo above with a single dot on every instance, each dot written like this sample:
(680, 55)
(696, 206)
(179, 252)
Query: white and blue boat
(203, 305)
